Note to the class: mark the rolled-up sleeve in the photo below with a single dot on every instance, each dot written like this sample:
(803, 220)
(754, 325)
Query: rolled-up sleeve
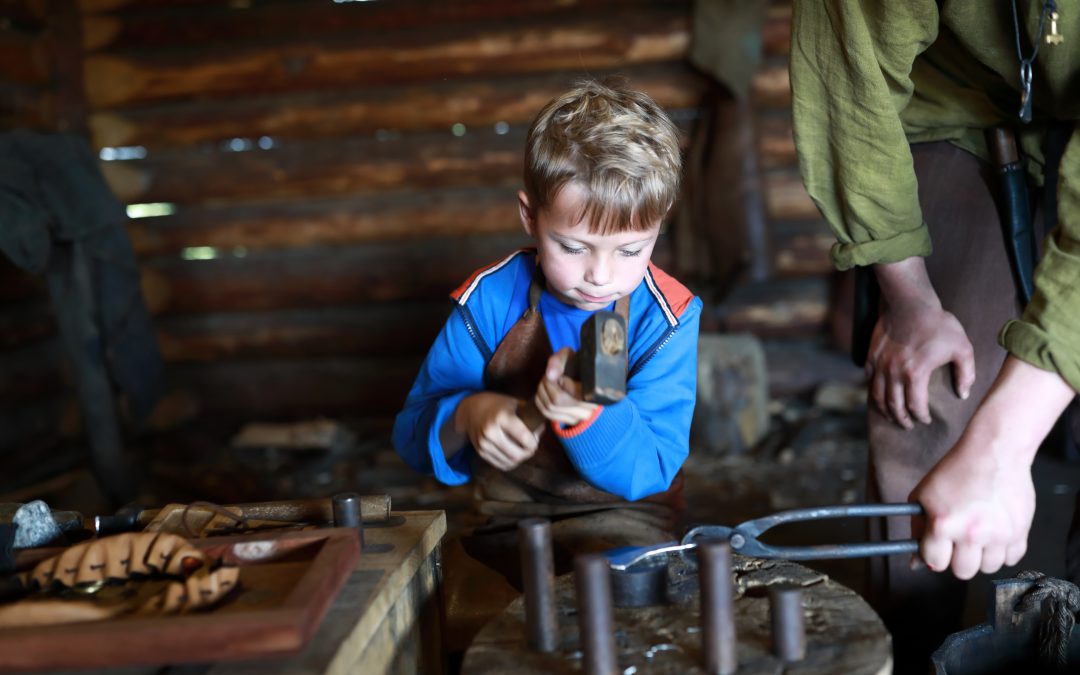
(1048, 334)
(851, 68)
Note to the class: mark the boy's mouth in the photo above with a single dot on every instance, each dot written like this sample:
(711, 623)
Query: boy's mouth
(592, 298)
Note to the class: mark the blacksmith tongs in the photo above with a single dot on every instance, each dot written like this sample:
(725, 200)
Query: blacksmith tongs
(744, 537)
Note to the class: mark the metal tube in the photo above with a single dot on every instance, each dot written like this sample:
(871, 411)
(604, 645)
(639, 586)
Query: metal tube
(592, 579)
(538, 579)
(346, 511)
(788, 627)
(717, 608)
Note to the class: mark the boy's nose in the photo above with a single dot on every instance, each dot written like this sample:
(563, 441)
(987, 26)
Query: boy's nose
(599, 271)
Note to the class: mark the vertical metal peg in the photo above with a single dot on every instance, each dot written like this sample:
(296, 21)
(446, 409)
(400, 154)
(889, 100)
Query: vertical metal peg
(538, 579)
(346, 511)
(592, 580)
(717, 608)
(788, 624)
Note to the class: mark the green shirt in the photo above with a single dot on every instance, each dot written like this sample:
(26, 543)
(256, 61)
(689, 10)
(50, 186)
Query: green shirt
(869, 77)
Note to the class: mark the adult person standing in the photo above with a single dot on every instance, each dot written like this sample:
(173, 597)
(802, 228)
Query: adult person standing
(892, 104)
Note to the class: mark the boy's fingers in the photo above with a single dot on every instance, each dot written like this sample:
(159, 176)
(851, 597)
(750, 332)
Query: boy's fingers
(556, 365)
(520, 437)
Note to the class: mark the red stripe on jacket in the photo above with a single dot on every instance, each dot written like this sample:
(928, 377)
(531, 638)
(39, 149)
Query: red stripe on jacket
(678, 296)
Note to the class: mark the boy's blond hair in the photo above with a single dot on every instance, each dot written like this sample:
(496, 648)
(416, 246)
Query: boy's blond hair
(617, 144)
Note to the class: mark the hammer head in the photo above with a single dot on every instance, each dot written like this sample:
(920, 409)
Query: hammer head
(601, 359)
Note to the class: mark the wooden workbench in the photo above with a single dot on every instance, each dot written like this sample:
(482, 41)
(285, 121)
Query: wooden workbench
(386, 619)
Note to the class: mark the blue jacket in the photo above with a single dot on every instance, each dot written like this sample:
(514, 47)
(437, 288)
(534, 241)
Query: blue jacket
(632, 448)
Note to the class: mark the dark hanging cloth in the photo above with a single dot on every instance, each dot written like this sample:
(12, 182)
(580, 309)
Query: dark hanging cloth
(58, 217)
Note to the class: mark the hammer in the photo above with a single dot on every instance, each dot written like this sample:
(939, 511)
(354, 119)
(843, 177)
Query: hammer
(599, 364)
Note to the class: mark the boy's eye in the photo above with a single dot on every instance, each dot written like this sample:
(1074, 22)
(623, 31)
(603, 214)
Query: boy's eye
(571, 250)
(630, 254)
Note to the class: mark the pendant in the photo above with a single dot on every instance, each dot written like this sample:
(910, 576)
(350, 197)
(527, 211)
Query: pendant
(1054, 38)
(1025, 95)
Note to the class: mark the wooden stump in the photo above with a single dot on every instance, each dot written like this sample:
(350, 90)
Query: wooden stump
(843, 635)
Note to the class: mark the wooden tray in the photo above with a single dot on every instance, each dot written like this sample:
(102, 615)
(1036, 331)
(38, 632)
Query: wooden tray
(287, 581)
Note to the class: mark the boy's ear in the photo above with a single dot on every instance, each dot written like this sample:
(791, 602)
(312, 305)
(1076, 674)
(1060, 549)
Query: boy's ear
(528, 221)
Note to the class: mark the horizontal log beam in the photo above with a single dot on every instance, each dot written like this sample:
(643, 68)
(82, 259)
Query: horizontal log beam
(801, 249)
(329, 222)
(413, 56)
(327, 168)
(192, 25)
(478, 104)
(26, 107)
(786, 197)
(375, 331)
(298, 389)
(24, 59)
(771, 86)
(27, 15)
(777, 308)
(775, 142)
(776, 32)
(388, 272)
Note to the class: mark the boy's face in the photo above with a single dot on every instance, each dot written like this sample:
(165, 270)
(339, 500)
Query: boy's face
(588, 271)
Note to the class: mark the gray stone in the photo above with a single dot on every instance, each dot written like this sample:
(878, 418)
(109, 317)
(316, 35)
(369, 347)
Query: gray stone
(732, 412)
(36, 525)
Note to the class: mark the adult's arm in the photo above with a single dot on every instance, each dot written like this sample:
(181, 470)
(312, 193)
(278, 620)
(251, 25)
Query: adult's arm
(851, 69)
(1048, 334)
(851, 65)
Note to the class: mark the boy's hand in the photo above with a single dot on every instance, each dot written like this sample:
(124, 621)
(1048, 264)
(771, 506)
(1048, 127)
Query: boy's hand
(490, 422)
(558, 397)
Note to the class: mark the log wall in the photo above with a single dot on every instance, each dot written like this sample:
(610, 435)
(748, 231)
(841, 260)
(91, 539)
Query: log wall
(331, 172)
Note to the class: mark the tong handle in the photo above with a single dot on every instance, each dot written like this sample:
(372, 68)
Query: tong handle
(743, 538)
(759, 525)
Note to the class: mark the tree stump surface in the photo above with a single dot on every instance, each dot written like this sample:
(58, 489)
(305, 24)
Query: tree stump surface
(843, 634)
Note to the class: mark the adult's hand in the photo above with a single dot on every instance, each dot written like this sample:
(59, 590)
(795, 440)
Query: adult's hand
(979, 499)
(979, 512)
(914, 336)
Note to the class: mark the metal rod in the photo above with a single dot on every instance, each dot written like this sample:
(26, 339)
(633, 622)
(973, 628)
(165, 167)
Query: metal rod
(592, 580)
(717, 608)
(538, 578)
(788, 627)
(347, 512)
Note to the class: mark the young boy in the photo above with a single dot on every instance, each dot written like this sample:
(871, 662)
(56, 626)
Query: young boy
(601, 172)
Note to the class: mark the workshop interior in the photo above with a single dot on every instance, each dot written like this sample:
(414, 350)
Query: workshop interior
(231, 232)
